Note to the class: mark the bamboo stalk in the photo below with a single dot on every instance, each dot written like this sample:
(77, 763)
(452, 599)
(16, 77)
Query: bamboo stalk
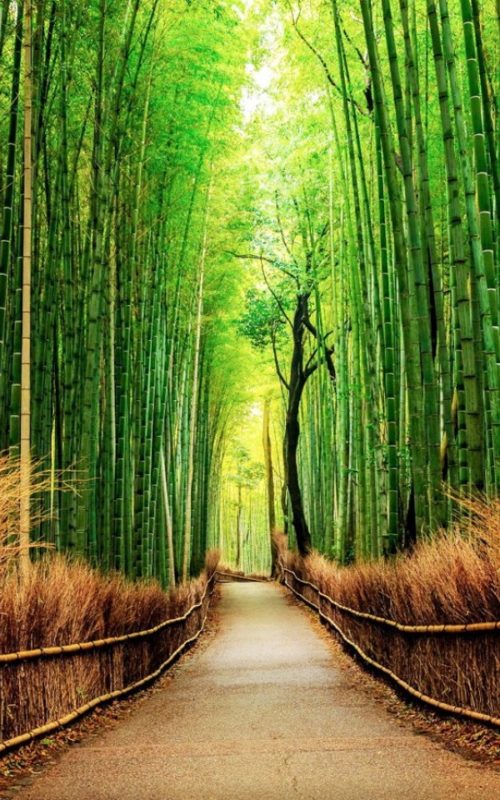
(25, 447)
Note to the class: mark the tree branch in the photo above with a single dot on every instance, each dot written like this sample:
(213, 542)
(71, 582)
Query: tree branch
(283, 239)
(328, 351)
(309, 370)
(321, 60)
(277, 363)
(254, 256)
(310, 360)
(257, 257)
(276, 298)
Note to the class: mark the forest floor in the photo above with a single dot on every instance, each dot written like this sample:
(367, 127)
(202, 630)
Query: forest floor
(268, 709)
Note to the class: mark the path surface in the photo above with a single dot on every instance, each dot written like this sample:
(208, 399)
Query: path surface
(262, 713)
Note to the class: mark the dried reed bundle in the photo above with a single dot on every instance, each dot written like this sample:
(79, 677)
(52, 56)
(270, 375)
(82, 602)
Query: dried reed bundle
(452, 578)
(64, 602)
(10, 497)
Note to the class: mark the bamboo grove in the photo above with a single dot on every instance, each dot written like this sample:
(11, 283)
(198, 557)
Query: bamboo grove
(378, 253)
(130, 112)
(264, 272)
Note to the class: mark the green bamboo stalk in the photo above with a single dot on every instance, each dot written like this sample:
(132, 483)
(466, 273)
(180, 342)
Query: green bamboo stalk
(7, 218)
(409, 323)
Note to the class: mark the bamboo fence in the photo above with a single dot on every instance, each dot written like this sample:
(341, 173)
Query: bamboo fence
(46, 688)
(234, 577)
(453, 668)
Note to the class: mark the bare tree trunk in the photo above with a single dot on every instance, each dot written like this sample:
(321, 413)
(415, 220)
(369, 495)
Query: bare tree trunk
(300, 525)
(284, 497)
(297, 381)
(268, 463)
(239, 531)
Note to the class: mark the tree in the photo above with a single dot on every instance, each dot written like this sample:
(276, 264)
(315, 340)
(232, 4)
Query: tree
(303, 364)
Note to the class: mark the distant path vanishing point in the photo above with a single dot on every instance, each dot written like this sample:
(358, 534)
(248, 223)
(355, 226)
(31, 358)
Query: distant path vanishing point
(262, 713)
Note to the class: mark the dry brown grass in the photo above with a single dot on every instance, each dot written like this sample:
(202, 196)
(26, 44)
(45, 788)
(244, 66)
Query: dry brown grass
(10, 496)
(61, 602)
(64, 602)
(453, 578)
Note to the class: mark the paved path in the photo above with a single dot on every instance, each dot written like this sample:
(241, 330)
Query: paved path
(262, 713)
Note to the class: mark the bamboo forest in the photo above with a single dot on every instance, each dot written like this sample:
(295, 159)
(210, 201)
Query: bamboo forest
(249, 366)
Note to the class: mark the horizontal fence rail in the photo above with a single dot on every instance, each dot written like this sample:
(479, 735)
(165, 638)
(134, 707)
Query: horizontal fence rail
(235, 577)
(467, 627)
(95, 644)
(82, 649)
(468, 713)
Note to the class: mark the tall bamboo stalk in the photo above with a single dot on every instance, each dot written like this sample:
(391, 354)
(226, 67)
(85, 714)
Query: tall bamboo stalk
(25, 448)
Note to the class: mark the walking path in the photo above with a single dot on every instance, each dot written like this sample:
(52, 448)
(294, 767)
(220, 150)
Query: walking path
(262, 713)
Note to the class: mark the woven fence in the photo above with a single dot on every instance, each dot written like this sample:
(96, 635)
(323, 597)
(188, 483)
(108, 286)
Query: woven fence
(454, 668)
(45, 688)
(229, 576)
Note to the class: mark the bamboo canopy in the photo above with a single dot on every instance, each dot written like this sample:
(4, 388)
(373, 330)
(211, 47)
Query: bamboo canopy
(248, 276)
